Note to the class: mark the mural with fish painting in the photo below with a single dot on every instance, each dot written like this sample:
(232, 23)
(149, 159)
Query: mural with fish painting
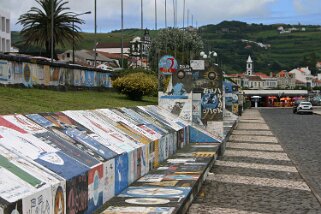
(95, 188)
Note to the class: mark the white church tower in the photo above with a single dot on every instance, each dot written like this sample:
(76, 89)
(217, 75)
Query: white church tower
(249, 66)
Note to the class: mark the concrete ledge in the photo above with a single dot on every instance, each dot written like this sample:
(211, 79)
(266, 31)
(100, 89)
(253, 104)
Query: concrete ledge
(172, 187)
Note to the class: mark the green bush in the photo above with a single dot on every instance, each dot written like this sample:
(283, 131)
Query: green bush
(136, 85)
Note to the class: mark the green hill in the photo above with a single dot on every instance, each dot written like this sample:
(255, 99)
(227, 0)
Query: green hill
(286, 51)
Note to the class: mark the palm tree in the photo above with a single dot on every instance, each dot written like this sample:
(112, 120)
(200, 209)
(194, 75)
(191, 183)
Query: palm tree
(37, 25)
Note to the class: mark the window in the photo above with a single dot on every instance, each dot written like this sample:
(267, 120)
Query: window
(3, 24)
(0, 45)
(3, 44)
(7, 25)
(8, 45)
(68, 55)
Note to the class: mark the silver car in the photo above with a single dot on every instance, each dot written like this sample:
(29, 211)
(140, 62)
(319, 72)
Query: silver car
(303, 107)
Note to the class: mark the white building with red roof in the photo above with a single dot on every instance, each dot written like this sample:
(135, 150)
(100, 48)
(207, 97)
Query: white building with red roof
(303, 75)
(253, 80)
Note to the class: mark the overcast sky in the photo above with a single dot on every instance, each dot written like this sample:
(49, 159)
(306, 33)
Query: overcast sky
(204, 11)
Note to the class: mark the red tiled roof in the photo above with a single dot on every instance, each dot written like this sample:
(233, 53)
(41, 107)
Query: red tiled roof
(234, 75)
(112, 55)
(255, 78)
(112, 45)
(262, 75)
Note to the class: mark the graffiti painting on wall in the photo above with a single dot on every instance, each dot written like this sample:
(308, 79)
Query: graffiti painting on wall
(208, 84)
(77, 194)
(95, 188)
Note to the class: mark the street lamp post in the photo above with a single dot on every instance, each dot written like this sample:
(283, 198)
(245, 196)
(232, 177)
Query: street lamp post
(73, 36)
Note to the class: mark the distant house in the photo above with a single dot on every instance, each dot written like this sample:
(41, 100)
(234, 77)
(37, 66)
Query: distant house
(303, 75)
(5, 31)
(87, 58)
(280, 28)
(286, 80)
(113, 47)
(318, 66)
(285, 31)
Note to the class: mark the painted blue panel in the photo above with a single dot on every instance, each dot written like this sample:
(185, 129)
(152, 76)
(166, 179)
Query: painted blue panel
(121, 173)
(91, 205)
(174, 97)
(155, 192)
(89, 78)
(40, 120)
(197, 136)
(90, 142)
(66, 167)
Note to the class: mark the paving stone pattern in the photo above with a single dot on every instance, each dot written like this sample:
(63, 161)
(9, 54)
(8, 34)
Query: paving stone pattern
(254, 176)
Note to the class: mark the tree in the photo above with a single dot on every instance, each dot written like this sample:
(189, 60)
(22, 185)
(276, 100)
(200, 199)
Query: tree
(37, 25)
(310, 60)
(184, 45)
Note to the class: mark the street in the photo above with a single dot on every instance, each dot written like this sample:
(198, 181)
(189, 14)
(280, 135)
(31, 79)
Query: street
(299, 135)
(257, 174)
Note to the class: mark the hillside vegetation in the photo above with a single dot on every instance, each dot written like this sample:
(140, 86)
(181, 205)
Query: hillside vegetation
(298, 48)
(286, 51)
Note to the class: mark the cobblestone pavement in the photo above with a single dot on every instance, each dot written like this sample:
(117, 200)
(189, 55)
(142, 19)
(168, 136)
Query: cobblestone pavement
(300, 137)
(255, 176)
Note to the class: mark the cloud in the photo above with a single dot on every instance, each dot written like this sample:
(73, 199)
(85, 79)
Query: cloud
(307, 6)
(108, 11)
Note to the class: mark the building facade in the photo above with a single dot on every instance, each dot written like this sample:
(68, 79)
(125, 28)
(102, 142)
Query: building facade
(303, 75)
(5, 31)
(286, 80)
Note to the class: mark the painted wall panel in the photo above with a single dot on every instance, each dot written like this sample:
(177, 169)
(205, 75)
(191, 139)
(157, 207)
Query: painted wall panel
(29, 146)
(109, 180)
(121, 173)
(51, 139)
(104, 130)
(75, 141)
(40, 202)
(77, 194)
(96, 187)
(4, 72)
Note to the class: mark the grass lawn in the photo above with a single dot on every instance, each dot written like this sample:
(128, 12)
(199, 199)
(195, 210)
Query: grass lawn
(13, 100)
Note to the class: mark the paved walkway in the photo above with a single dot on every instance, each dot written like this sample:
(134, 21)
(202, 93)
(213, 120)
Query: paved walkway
(255, 176)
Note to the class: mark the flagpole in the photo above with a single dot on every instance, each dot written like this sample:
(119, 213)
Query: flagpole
(122, 33)
(52, 30)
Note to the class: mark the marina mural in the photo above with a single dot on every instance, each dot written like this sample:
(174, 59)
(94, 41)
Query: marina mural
(31, 74)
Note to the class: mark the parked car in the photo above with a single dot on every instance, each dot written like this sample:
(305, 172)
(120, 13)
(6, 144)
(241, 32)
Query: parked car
(302, 106)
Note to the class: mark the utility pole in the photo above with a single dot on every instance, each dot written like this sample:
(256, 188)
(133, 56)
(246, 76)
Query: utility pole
(122, 33)
(183, 39)
(166, 25)
(73, 36)
(165, 13)
(52, 30)
(187, 17)
(155, 15)
(95, 62)
(184, 14)
(174, 15)
(141, 15)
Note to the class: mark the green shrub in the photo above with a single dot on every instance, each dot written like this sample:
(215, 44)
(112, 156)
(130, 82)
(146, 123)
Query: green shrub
(136, 85)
